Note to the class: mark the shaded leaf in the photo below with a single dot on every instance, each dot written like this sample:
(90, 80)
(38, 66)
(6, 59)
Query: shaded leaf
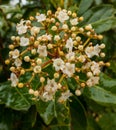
(12, 97)
(82, 7)
(78, 115)
(101, 96)
(108, 83)
(108, 121)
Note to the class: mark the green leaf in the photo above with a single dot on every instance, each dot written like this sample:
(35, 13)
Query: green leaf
(92, 125)
(82, 7)
(13, 98)
(55, 114)
(100, 95)
(104, 24)
(78, 115)
(46, 110)
(108, 83)
(108, 121)
(113, 65)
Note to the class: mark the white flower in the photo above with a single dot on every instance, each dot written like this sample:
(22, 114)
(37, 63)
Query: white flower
(58, 64)
(86, 66)
(37, 69)
(69, 44)
(62, 16)
(70, 56)
(92, 81)
(65, 96)
(15, 54)
(14, 79)
(18, 62)
(95, 68)
(24, 41)
(74, 21)
(89, 51)
(51, 86)
(97, 50)
(41, 17)
(69, 69)
(35, 30)
(92, 51)
(47, 37)
(42, 50)
(21, 28)
(82, 58)
(56, 37)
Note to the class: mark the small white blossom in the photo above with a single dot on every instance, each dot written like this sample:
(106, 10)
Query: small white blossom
(92, 81)
(24, 41)
(51, 86)
(95, 68)
(14, 79)
(18, 62)
(15, 54)
(41, 17)
(62, 16)
(65, 96)
(69, 69)
(21, 28)
(35, 30)
(37, 69)
(92, 51)
(74, 21)
(70, 56)
(47, 37)
(69, 44)
(58, 64)
(82, 58)
(42, 50)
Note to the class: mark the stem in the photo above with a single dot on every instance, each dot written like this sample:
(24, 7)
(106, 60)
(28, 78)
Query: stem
(23, 52)
(62, 77)
(46, 63)
(86, 42)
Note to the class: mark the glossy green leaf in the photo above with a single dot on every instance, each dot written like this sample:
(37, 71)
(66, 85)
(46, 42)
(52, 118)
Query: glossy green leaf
(108, 121)
(84, 5)
(113, 65)
(55, 114)
(108, 83)
(46, 110)
(78, 115)
(104, 24)
(100, 95)
(13, 98)
(92, 124)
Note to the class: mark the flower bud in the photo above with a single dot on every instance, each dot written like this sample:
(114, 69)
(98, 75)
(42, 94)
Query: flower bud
(56, 75)
(42, 79)
(78, 92)
(39, 61)
(31, 91)
(26, 58)
(102, 46)
(36, 93)
(20, 85)
(54, 28)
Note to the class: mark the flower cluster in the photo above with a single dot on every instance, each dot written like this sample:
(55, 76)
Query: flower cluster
(52, 48)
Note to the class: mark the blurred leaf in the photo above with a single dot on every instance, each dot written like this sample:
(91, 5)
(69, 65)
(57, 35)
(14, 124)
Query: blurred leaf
(13, 98)
(101, 96)
(82, 7)
(113, 66)
(108, 83)
(92, 125)
(78, 115)
(46, 110)
(108, 121)
(104, 24)
(55, 113)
